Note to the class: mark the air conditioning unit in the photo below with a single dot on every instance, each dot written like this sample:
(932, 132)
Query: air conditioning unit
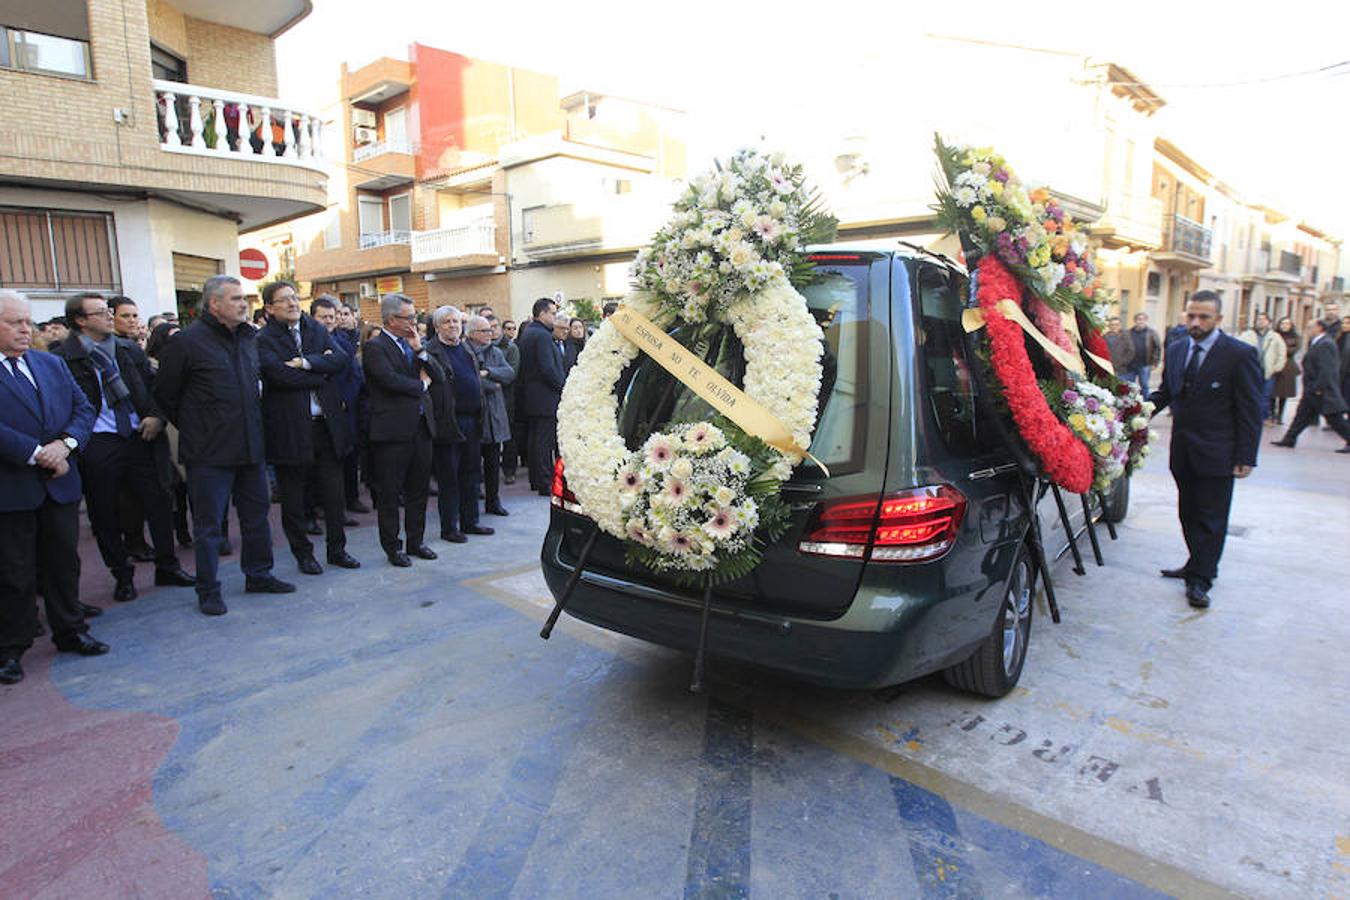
(365, 135)
(363, 117)
(367, 290)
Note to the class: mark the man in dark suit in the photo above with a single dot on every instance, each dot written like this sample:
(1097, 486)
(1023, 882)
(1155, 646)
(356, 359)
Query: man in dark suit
(44, 418)
(1321, 389)
(329, 312)
(127, 451)
(1213, 384)
(208, 385)
(402, 427)
(541, 380)
(304, 422)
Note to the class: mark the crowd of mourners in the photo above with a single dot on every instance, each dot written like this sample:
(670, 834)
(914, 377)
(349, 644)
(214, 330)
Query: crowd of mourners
(170, 427)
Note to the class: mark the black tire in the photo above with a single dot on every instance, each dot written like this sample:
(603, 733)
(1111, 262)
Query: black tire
(1116, 501)
(994, 668)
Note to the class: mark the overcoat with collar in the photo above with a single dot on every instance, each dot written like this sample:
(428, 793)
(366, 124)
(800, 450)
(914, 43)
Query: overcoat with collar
(286, 391)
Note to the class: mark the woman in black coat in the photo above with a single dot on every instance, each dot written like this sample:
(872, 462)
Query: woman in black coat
(1286, 380)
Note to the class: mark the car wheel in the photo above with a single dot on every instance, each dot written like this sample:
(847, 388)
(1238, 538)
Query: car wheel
(1116, 501)
(994, 668)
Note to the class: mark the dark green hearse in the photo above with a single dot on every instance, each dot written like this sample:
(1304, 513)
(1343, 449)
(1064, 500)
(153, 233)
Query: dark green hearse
(912, 557)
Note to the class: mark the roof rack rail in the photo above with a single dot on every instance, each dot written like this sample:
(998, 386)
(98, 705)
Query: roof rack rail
(933, 253)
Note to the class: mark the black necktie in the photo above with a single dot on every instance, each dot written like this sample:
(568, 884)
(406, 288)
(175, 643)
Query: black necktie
(25, 386)
(1192, 367)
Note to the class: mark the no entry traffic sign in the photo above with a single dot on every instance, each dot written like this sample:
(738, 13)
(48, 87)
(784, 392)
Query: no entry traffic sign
(252, 264)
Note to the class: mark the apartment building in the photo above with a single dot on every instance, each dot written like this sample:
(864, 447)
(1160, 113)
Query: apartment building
(140, 138)
(472, 182)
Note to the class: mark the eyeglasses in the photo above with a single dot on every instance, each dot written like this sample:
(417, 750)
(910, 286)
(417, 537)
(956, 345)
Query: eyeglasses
(408, 318)
(97, 312)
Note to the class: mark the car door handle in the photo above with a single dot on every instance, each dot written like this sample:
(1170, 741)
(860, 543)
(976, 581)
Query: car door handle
(981, 474)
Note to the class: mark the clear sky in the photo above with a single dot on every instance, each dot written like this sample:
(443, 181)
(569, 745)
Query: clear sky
(1239, 101)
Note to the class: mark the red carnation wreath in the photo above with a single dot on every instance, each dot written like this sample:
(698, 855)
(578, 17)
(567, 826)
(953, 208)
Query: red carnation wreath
(1065, 459)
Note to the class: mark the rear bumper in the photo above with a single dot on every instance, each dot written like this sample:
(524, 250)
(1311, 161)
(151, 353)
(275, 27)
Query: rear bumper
(882, 639)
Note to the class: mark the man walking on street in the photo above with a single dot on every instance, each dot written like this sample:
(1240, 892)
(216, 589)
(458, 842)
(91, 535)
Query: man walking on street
(1212, 382)
(1271, 350)
(541, 377)
(208, 385)
(304, 422)
(1321, 389)
(44, 418)
(402, 426)
(127, 450)
(1147, 352)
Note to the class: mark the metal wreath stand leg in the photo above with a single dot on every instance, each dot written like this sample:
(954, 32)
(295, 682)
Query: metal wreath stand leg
(1091, 530)
(1068, 530)
(572, 580)
(1101, 501)
(1037, 545)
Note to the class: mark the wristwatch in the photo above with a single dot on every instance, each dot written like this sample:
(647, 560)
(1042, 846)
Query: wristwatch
(71, 443)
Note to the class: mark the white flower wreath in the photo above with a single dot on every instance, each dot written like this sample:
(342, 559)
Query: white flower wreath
(690, 499)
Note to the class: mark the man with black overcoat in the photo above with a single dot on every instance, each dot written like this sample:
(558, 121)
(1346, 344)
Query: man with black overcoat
(304, 422)
(44, 419)
(127, 451)
(541, 380)
(1321, 389)
(1213, 384)
(399, 374)
(209, 386)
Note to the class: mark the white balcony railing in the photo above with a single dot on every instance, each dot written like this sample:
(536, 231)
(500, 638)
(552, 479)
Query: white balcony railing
(373, 239)
(379, 148)
(474, 238)
(232, 125)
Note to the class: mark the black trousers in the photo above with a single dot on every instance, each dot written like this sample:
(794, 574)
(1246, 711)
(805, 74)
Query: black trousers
(110, 467)
(1307, 413)
(326, 474)
(543, 450)
(402, 468)
(210, 489)
(492, 473)
(35, 543)
(1203, 503)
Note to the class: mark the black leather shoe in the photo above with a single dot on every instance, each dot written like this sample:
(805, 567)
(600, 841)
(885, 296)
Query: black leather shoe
(544, 492)
(1197, 596)
(313, 527)
(509, 479)
(454, 537)
(1345, 449)
(267, 584)
(1282, 443)
(400, 559)
(1179, 572)
(185, 540)
(344, 560)
(142, 553)
(212, 605)
(175, 577)
(80, 643)
(349, 522)
(479, 529)
(357, 506)
(226, 548)
(87, 611)
(309, 565)
(125, 590)
(422, 551)
(498, 510)
(10, 671)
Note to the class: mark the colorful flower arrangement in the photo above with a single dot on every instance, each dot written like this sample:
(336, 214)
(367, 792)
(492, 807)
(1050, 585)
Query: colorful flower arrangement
(1112, 422)
(1026, 229)
(700, 500)
(735, 231)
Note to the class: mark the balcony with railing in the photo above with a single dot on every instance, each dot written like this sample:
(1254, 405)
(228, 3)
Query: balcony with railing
(381, 165)
(1185, 242)
(372, 239)
(468, 240)
(1290, 263)
(236, 126)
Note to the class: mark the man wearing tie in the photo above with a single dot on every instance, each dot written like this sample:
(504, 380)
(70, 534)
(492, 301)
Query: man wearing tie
(126, 452)
(541, 379)
(402, 426)
(304, 422)
(1213, 385)
(44, 418)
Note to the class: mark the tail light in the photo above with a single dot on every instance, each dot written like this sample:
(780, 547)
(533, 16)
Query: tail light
(559, 495)
(910, 526)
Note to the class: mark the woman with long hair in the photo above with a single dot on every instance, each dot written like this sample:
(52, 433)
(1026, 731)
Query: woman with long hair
(1286, 380)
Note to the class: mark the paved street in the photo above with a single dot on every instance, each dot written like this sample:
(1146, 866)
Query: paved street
(405, 733)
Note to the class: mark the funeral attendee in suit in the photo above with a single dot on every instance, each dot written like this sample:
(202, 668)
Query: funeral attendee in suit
(304, 422)
(1321, 389)
(457, 456)
(208, 385)
(44, 418)
(562, 336)
(128, 449)
(402, 427)
(496, 376)
(1213, 384)
(541, 384)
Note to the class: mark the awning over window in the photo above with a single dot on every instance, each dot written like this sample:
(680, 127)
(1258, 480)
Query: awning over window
(62, 18)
